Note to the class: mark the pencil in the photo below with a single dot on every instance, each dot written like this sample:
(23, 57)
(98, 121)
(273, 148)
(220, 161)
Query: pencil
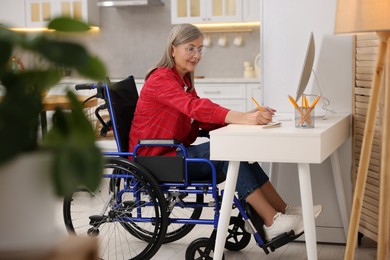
(293, 101)
(315, 101)
(305, 117)
(258, 105)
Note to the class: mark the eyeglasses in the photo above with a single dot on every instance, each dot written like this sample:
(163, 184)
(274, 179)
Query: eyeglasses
(192, 50)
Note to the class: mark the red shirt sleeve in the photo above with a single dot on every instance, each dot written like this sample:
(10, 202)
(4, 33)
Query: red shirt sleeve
(165, 109)
(170, 93)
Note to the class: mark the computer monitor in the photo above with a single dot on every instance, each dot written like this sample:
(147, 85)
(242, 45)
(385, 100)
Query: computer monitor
(307, 67)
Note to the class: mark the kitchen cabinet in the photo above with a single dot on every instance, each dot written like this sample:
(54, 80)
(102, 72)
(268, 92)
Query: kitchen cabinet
(85, 10)
(206, 11)
(36, 13)
(252, 90)
(250, 10)
(233, 95)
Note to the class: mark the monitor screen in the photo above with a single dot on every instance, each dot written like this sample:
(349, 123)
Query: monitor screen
(307, 67)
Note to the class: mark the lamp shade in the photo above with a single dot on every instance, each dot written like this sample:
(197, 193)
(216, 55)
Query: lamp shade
(354, 16)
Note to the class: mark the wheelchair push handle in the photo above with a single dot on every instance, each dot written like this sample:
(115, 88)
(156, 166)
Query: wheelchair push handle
(86, 86)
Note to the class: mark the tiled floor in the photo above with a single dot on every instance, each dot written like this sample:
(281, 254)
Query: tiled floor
(291, 251)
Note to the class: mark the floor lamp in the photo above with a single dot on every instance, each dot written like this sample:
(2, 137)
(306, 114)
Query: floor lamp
(354, 16)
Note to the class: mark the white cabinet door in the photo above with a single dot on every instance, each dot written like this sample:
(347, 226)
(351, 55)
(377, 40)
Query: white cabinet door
(229, 95)
(12, 13)
(39, 12)
(221, 90)
(204, 11)
(71, 8)
(84, 10)
(188, 11)
(224, 11)
(253, 90)
(250, 10)
(236, 105)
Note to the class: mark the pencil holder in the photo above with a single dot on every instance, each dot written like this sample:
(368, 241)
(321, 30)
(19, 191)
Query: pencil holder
(304, 117)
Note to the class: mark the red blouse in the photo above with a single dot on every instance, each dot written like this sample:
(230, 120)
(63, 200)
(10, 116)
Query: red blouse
(166, 110)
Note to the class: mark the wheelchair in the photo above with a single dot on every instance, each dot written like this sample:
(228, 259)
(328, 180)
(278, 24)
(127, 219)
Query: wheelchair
(146, 201)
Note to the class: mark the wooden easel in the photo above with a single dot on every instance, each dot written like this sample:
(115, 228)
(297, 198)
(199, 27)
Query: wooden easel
(384, 205)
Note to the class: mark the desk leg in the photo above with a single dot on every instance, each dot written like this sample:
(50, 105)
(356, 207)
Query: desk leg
(340, 192)
(226, 209)
(274, 173)
(307, 210)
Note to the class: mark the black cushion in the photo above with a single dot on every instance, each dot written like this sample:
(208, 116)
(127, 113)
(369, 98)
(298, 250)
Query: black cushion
(124, 97)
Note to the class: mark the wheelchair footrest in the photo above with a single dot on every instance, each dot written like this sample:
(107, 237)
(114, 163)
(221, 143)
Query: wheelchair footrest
(279, 241)
(276, 242)
(96, 220)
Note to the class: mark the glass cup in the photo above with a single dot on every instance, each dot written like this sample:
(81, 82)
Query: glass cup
(304, 117)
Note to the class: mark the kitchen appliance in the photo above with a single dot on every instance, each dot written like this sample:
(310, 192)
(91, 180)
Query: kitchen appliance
(122, 3)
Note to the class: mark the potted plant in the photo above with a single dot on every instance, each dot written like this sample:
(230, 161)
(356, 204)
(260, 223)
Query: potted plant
(66, 157)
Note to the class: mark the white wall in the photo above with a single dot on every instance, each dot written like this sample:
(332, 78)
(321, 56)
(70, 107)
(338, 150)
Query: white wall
(285, 31)
(132, 39)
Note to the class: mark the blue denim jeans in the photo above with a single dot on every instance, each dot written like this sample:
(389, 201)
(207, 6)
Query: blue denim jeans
(250, 175)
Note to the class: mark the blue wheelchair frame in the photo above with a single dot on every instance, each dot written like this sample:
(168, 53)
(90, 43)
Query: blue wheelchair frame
(166, 185)
(186, 186)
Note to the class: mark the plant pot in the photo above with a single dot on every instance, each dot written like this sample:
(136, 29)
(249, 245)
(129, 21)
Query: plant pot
(28, 203)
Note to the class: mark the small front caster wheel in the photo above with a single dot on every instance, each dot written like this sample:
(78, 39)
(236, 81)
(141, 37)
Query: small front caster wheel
(93, 232)
(237, 238)
(198, 250)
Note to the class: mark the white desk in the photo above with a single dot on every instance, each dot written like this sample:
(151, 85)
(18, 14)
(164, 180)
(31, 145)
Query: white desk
(287, 144)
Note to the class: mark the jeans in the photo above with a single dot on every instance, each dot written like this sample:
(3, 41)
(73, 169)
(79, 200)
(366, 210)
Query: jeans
(250, 175)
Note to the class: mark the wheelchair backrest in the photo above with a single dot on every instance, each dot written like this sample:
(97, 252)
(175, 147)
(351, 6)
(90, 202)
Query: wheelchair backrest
(123, 97)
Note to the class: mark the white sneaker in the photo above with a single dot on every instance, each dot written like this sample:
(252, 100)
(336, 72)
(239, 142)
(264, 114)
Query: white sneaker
(297, 210)
(283, 223)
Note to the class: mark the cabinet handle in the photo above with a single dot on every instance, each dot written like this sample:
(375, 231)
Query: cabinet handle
(212, 92)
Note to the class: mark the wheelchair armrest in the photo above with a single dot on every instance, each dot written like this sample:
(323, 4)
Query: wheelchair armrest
(158, 142)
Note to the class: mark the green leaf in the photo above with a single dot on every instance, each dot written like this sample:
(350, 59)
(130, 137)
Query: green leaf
(66, 24)
(76, 165)
(94, 69)
(5, 54)
(31, 82)
(12, 37)
(19, 118)
(78, 162)
(68, 54)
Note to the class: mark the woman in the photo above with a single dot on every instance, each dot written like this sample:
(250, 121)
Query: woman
(168, 107)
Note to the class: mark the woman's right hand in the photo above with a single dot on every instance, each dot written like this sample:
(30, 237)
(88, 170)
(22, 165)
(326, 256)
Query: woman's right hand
(249, 118)
(262, 118)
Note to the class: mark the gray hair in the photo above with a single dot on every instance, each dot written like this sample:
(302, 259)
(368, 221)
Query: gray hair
(180, 34)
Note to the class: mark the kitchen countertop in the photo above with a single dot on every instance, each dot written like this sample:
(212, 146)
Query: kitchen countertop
(72, 81)
(200, 80)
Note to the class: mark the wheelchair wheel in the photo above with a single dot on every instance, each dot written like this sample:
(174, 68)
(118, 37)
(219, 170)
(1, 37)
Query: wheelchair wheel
(183, 208)
(237, 238)
(128, 198)
(198, 250)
